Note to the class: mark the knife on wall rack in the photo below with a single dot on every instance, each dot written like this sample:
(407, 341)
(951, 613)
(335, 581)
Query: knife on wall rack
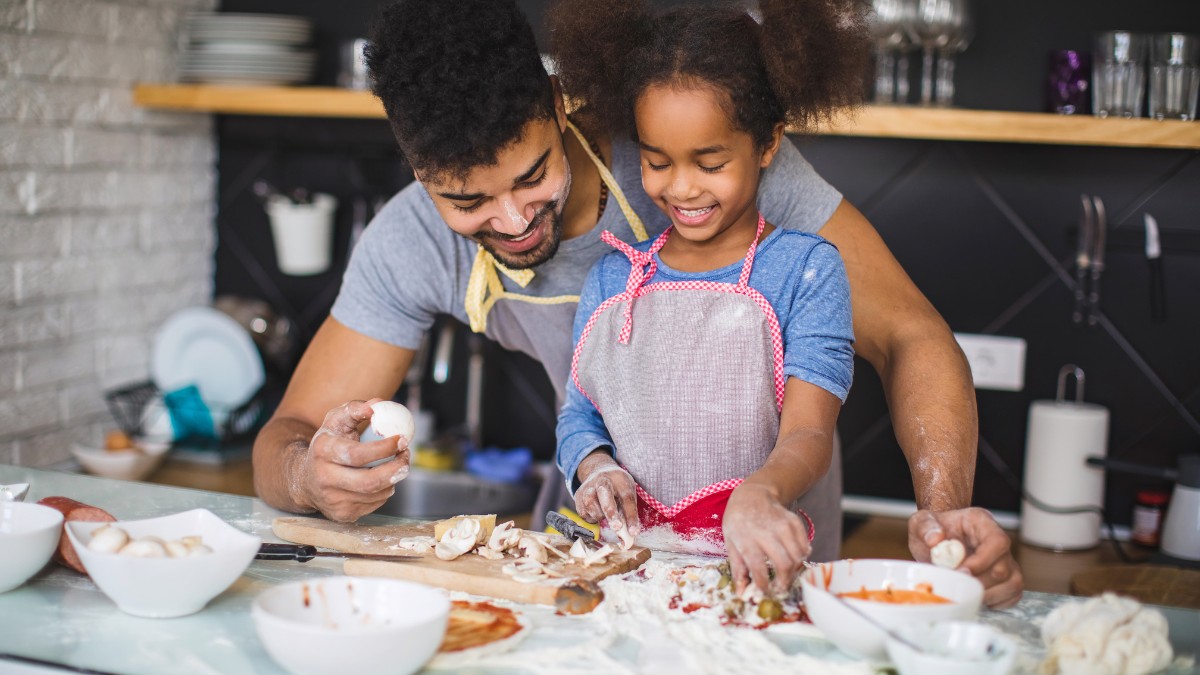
(1099, 237)
(1082, 257)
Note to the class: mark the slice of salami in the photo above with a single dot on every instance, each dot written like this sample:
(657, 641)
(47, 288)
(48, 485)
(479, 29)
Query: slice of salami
(74, 511)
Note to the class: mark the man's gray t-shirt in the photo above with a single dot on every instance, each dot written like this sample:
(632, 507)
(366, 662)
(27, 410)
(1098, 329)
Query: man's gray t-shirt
(409, 266)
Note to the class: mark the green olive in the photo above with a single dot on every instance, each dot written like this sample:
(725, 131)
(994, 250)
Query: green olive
(725, 581)
(770, 609)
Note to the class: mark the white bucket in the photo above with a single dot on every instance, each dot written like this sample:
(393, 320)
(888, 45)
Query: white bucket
(303, 233)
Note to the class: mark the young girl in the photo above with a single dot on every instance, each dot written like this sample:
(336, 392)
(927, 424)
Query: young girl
(710, 363)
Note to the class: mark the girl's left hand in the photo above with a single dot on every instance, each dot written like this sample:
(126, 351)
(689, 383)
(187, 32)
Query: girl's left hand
(759, 529)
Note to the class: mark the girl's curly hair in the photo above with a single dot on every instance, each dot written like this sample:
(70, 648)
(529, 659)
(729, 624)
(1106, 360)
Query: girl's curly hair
(801, 65)
(459, 79)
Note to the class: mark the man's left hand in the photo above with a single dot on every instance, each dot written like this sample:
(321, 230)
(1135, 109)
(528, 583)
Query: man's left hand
(989, 549)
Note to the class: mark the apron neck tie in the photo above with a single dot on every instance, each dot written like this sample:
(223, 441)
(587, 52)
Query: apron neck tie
(484, 287)
(642, 267)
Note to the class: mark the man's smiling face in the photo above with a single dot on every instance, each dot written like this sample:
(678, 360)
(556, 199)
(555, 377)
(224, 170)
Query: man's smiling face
(512, 208)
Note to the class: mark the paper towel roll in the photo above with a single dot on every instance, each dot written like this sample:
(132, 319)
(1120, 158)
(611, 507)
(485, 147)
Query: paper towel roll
(1060, 438)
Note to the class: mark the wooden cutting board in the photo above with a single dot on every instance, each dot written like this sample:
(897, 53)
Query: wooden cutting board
(1154, 584)
(469, 573)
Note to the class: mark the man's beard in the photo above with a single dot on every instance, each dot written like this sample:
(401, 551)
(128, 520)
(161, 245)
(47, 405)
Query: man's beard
(533, 257)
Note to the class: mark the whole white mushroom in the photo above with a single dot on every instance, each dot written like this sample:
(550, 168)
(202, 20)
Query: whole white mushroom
(108, 539)
(389, 418)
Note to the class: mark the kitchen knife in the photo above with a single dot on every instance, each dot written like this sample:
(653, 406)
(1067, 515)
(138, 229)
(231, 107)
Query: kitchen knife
(1158, 290)
(1097, 261)
(305, 552)
(571, 529)
(1082, 256)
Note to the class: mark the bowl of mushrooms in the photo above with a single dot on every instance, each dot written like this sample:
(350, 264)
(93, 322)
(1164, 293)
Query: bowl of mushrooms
(163, 567)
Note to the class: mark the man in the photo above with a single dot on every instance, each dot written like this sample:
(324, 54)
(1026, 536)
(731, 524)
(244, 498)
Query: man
(500, 230)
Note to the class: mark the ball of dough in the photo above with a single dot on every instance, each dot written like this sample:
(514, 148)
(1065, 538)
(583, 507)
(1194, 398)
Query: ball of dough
(949, 553)
(389, 418)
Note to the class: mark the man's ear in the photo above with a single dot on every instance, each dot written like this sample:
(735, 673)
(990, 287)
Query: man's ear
(560, 108)
(773, 146)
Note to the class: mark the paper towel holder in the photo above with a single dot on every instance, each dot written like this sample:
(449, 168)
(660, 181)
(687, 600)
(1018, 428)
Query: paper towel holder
(1070, 369)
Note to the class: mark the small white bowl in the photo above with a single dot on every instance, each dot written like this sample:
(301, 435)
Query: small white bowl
(14, 493)
(953, 648)
(365, 626)
(857, 636)
(167, 587)
(28, 536)
(131, 464)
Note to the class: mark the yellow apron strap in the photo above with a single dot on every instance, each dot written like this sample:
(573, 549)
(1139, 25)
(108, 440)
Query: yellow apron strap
(484, 287)
(614, 190)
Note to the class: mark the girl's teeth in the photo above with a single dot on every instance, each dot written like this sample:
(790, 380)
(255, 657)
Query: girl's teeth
(696, 212)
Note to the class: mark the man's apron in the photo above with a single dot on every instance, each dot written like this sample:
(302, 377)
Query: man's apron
(689, 378)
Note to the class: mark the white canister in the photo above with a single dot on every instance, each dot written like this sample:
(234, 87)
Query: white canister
(303, 233)
(1061, 436)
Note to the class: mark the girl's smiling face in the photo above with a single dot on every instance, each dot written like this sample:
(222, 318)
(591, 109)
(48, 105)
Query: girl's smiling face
(700, 170)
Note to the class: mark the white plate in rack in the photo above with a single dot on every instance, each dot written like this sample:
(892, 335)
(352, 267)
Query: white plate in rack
(207, 348)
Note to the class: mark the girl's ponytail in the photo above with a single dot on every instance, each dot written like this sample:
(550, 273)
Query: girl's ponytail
(591, 42)
(816, 54)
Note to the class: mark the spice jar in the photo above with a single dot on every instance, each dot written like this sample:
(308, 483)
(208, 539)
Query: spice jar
(1148, 510)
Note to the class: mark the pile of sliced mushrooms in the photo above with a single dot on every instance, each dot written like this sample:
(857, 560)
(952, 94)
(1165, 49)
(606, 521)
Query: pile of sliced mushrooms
(537, 559)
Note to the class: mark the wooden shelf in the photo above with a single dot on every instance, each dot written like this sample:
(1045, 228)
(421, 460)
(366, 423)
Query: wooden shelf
(945, 124)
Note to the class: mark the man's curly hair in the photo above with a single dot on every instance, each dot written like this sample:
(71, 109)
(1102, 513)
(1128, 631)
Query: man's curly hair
(459, 79)
(801, 65)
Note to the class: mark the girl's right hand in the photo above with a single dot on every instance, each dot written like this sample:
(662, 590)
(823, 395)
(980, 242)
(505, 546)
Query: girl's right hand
(607, 492)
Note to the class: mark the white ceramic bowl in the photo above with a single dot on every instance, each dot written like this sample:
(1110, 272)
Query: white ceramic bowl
(953, 648)
(122, 464)
(857, 636)
(28, 536)
(167, 587)
(355, 625)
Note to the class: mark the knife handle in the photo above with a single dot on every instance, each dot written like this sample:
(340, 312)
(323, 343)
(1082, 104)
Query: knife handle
(1080, 295)
(297, 552)
(1094, 298)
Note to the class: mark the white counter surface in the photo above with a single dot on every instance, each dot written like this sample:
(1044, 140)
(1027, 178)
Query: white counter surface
(60, 617)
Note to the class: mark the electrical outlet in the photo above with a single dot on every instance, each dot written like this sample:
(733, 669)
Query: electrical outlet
(997, 362)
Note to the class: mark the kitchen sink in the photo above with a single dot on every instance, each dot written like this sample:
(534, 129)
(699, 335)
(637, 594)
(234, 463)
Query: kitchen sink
(442, 494)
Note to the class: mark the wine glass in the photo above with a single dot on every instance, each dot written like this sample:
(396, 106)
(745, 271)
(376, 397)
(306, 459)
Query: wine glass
(945, 65)
(935, 25)
(888, 29)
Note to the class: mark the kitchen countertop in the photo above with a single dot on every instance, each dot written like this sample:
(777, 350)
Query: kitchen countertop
(63, 618)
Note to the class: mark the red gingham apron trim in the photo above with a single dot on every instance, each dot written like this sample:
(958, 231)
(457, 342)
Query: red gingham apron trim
(674, 510)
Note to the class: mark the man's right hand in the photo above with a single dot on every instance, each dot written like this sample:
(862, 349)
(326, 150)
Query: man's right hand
(330, 476)
(607, 492)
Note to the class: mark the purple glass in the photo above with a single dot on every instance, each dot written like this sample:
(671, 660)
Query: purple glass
(1068, 82)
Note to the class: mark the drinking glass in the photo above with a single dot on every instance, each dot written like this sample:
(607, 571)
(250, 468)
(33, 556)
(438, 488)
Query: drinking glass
(1174, 76)
(1119, 74)
(888, 31)
(935, 25)
(959, 39)
(1067, 81)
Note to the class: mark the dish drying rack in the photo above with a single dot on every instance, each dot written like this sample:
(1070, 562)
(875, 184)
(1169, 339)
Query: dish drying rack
(128, 407)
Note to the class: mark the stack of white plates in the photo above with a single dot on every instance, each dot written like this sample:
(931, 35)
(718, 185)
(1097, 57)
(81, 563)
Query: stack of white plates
(235, 48)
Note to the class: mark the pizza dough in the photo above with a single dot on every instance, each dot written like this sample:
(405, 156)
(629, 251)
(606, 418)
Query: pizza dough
(949, 553)
(1108, 635)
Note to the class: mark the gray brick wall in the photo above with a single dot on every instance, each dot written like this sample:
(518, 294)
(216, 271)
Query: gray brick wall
(106, 212)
